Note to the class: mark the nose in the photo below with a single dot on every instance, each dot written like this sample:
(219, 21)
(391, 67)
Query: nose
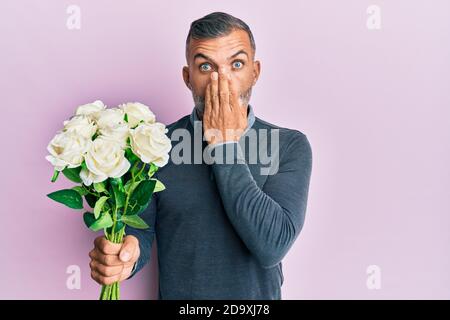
(223, 70)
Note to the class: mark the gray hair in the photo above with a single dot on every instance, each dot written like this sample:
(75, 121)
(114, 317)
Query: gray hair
(217, 24)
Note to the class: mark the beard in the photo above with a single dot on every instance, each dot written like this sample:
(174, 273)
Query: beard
(244, 99)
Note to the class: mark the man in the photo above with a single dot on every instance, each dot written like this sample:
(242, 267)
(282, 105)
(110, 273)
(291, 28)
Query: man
(222, 228)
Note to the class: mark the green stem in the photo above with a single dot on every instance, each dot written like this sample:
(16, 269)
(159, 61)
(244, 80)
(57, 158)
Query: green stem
(112, 292)
(106, 292)
(102, 293)
(132, 169)
(55, 175)
(140, 171)
(132, 182)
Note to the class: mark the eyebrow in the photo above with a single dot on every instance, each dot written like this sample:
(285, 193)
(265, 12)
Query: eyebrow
(201, 55)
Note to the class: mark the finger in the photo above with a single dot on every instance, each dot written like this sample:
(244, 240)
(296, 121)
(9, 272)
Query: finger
(106, 246)
(215, 95)
(231, 91)
(234, 95)
(126, 273)
(136, 255)
(207, 113)
(104, 280)
(224, 93)
(97, 277)
(130, 243)
(106, 259)
(108, 271)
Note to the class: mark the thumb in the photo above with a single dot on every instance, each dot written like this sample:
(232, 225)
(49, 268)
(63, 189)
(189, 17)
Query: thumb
(128, 248)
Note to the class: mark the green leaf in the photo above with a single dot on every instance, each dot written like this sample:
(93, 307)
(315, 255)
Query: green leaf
(73, 174)
(55, 175)
(120, 184)
(141, 197)
(127, 185)
(119, 226)
(129, 154)
(118, 192)
(143, 192)
(152, 170)
(159, 186)
(129, 188)
(91, 200)
(82, 191)
(105, 221)
(99, 187)
(68, 197)
(99, 206)
(125, 117)
(133, 208)
(88, 219)
(83, 165)
(135, 222)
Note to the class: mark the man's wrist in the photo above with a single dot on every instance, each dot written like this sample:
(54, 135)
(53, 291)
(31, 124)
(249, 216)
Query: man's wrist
(229, 152)
(217, 144)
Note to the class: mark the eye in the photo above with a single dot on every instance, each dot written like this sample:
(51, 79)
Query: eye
(238, 64)
(205, 67)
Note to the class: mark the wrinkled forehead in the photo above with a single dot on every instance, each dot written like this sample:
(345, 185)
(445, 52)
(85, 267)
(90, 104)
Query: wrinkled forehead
(221, 47)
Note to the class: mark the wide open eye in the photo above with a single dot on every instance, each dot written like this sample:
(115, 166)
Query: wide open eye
(238, 64)
(205, 67)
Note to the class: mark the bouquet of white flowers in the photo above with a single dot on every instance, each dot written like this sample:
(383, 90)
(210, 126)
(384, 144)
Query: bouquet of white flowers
(113, 154)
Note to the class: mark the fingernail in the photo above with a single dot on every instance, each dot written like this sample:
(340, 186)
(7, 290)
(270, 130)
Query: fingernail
(214, 75)
(125, 256)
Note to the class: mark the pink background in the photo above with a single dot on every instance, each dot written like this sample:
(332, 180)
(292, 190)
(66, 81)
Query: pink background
(375, 105)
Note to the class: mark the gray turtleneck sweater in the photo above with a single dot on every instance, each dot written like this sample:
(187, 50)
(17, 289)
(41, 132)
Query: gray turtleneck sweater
(223, 228)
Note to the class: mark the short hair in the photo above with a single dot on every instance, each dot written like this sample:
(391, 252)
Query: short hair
(217, 24)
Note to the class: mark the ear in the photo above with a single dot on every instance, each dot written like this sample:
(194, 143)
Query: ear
(186, 77)
(256, 71)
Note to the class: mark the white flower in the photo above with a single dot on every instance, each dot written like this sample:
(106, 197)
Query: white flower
(136, 112)
(118, 134)
(112, 125)
(150, 143)
(110, 117)
(88, 177)
(80, 125)
(91, 109)
(67, 149)
(104, 159)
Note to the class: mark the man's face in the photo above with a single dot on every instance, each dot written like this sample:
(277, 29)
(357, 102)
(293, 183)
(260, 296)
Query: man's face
(231, 54)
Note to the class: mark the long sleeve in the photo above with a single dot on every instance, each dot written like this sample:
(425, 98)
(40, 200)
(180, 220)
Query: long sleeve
(268, 220)
(145, 236)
